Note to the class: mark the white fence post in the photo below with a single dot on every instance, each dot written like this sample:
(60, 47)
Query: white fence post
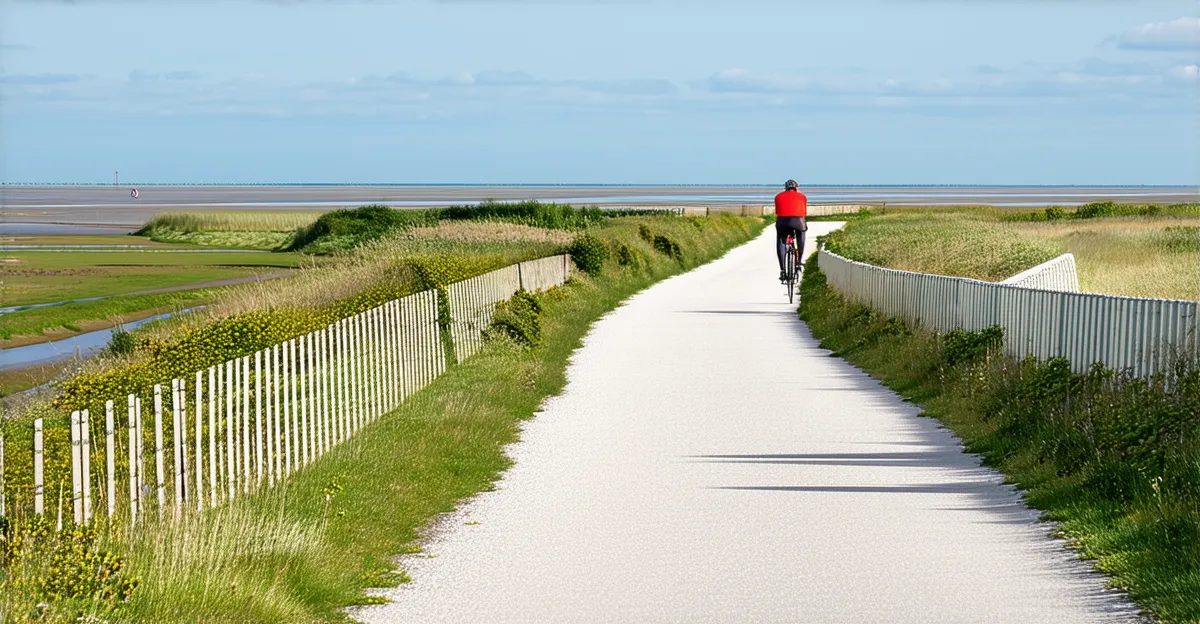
(222, 466)
(39, 462)
(342, 379)
(305, 370)
(141, 455)
(294, 403)
(438, 356)
(199, 415)
(258, 416)
(314, 395)
(407, 361)
(352, 345)
(76, 469)
(377, 350)
(159, 481)
(183, 445)
(85, 447)
(245, 451)
(275, 444)
(322, 393)
(393, 381)
(177, 441)
(134, 490)
(213, 402)
(110, 456)
(230, 442)
(368, 373)
(360, 370)
(287, 410)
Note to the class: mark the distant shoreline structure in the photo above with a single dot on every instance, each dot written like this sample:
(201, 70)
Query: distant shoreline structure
(1194, 187)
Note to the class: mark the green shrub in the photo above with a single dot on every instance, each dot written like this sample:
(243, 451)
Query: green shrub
(533, 213)
(668, 247)
(645, 233)
(1054, 213)
(519, 319)
(1097, 210)
(589, 254)
(350, 227)
(121, 342)
(959, 346)
(629, 256)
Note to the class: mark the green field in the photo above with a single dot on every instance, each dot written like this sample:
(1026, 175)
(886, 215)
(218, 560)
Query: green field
(71, 241)
(1142, 256)
(80, 316)
(44, 277)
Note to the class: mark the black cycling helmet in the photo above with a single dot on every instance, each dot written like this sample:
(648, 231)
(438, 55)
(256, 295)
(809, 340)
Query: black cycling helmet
(791, 185)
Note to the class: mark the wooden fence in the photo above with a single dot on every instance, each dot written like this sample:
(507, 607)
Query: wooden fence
(251, 422)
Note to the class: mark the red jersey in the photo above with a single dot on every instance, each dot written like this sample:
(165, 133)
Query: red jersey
(791, 204)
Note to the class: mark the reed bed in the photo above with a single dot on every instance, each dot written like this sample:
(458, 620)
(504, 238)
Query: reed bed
(230, 221)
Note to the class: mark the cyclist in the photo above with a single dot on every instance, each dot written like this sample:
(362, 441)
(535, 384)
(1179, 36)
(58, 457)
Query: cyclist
(791, 207)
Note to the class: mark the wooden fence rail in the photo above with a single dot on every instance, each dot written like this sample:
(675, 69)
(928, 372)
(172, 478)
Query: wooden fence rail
(258, 418)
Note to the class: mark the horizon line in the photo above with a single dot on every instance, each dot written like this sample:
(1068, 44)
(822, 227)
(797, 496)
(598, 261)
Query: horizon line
(603, 184)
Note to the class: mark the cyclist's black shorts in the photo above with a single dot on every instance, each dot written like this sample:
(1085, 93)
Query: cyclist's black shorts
(785, 226)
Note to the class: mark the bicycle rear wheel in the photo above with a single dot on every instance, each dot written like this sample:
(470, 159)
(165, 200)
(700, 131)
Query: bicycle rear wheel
(790, 264)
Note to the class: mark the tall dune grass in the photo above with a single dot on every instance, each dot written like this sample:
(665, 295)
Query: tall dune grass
(250, 221)
(1152, 256)
(1135, 258)
(946, 243)
(247, 230)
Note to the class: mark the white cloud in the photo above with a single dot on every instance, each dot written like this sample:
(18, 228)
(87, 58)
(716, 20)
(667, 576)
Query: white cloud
(1177, 34)
(1185, 73)
(1130, 87)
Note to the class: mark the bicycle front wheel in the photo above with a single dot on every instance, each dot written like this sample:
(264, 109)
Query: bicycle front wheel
(791, 273)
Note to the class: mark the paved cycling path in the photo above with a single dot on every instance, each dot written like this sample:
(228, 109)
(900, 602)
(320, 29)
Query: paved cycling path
(708, 462)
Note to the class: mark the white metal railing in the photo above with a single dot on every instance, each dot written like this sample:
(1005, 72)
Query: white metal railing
(254, 420)
(1056, 274)
(1123, 333)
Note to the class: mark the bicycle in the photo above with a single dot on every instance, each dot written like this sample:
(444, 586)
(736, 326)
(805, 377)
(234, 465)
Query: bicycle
(789, 267)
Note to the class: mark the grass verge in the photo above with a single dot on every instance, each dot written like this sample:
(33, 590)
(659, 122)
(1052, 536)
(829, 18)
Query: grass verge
(1113, 459)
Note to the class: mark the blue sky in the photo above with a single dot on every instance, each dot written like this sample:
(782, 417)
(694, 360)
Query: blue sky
(579, 91)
